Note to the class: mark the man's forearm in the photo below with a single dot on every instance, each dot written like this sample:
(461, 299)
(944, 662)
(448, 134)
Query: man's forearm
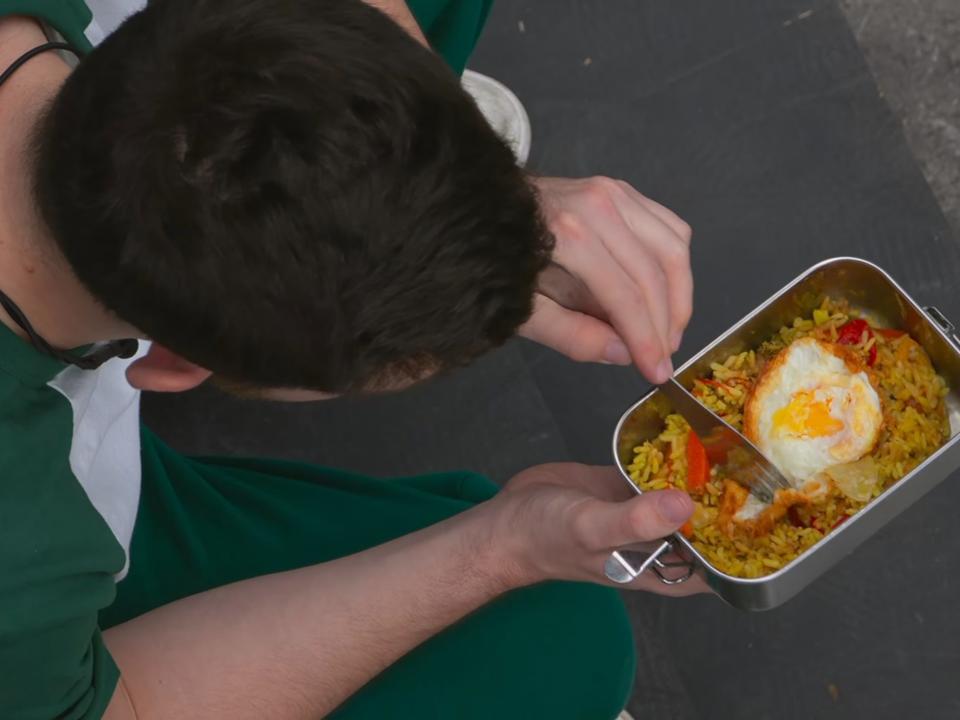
(400, 13)
(297, 644)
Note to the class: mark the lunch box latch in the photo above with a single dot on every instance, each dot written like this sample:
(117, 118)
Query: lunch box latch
(940, 319)
(625, 566)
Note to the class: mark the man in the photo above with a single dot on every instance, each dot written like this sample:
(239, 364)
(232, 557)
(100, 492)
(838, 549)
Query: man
(299, 200)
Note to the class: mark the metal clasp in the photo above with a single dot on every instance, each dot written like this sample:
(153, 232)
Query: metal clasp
(624, 566)
(940, 319)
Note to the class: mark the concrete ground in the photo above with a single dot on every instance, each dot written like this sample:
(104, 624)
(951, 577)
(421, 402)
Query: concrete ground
(913, 49)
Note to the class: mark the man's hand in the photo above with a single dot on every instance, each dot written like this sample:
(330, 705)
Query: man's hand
(562, 521)
(620, 285)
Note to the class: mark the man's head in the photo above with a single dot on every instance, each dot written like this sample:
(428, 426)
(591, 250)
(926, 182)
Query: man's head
(290, 194)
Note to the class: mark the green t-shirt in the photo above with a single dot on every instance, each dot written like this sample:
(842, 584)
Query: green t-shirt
(59, 555)
(451, 26)
(70, 456)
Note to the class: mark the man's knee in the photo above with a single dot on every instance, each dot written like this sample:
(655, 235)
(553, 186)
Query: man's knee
(558, 650)
(571, 646)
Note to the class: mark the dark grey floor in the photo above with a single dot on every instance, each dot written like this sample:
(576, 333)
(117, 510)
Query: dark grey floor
(759, 122)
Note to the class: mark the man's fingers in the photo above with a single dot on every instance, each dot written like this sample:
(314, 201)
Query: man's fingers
(673, 258)
(572, 517)
(672, 253)
(639, 257)
(578, 336)
(612, 211)
(624, 259)
(668, 216)
(602, 482)
(625, 303)
(604, 526)
(569, 291)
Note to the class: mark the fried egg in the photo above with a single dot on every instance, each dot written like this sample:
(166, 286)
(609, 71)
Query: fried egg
(813, 407)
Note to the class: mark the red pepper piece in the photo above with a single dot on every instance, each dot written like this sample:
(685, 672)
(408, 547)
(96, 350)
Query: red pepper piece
(850, 333)
(698, 467)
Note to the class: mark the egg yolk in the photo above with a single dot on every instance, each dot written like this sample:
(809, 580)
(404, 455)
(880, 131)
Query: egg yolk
(805, 416)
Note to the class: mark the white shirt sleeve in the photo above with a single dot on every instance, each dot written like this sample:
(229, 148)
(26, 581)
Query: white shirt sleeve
(108, 15)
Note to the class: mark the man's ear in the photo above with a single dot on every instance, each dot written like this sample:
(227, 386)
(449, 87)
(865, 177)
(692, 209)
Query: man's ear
(161, 370)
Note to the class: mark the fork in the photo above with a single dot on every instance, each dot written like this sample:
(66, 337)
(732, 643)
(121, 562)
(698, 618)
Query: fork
(742, 460)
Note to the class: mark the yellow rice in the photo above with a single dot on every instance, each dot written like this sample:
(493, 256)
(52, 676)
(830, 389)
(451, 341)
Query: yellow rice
(915, 425)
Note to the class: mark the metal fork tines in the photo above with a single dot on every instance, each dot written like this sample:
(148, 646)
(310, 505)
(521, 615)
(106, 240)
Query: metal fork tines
(760, 482)
(742, 461)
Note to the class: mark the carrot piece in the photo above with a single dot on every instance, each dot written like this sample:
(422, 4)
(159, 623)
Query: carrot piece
(890, 333)
(698, 467)
(716, 384)
(687, 529)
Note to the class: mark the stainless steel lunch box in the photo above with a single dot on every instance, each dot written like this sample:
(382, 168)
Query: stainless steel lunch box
(873, 292)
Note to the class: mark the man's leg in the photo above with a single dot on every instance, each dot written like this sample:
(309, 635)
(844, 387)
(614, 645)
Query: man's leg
(557, 650)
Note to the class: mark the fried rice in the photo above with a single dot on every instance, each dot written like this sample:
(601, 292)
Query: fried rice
(915, 424)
